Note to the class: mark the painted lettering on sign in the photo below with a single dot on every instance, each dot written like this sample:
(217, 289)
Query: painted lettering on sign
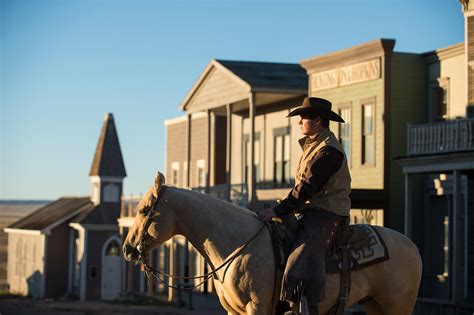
(356, 73)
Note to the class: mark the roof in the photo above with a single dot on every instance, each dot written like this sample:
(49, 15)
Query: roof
(270, 76)
(105, 213)
(52, 213)
(108, 159)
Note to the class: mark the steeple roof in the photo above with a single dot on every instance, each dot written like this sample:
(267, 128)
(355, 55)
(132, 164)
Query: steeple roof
(108, 159)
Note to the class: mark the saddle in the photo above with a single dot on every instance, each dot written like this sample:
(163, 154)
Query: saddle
(356, 247)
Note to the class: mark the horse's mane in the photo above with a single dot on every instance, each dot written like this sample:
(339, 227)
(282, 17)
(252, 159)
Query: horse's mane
(213, 203)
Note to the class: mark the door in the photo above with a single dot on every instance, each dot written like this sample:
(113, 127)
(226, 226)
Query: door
(111, 275)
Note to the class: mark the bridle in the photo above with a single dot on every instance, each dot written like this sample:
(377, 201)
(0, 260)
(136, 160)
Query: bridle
(141, 249)
(149, 270)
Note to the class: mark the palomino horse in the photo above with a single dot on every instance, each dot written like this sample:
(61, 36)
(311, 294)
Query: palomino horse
(217, 229)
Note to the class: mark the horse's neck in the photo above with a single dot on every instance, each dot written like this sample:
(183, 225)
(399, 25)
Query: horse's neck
(213, 227)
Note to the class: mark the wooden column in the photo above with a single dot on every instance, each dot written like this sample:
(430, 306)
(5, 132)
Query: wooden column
(171, 281)
(188, 151)
(457, 206)
(208, 157)
(228, 166)
(251, 184)
(408, 204)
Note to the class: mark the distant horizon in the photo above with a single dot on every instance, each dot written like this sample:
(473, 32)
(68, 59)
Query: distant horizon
(65, 64)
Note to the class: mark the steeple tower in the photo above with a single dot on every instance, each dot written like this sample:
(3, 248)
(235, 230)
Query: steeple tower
(108, 170)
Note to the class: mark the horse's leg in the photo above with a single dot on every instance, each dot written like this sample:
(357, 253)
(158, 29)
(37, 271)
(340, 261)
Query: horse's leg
(254, 309)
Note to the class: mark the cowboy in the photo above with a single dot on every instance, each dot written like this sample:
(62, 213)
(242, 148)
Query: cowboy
(320, 198)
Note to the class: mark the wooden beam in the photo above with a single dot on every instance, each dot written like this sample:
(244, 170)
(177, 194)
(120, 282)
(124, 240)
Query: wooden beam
(228, 166)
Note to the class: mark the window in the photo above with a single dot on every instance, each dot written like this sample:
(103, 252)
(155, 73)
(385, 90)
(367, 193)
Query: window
(368, 138)
(175, 173)
(281, 167)
(441, 102)
(113, 249)
(111, 193)
(247, 157)
(201, 173)
(345, 132)
(93, 272)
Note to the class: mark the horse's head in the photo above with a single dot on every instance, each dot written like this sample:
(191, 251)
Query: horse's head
(154, 223)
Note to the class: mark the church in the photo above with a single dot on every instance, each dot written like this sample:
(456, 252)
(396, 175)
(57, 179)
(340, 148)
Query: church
(71, 246)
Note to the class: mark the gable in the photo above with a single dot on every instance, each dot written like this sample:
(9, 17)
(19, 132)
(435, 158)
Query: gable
(217, 87)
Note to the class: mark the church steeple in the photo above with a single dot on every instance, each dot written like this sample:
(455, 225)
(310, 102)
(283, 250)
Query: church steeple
(107, 170)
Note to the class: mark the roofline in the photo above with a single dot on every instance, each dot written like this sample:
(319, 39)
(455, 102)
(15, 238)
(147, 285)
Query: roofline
(47, 230)
(23, 231)
(349, 55)
(212, 64)
(444, 53)
(183, 118)
(94, 227)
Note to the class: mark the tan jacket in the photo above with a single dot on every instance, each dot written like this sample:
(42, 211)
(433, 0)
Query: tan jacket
(334, 196)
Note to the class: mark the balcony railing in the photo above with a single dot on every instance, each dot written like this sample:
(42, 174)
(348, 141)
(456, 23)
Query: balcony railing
(441, 137)
(238, 193)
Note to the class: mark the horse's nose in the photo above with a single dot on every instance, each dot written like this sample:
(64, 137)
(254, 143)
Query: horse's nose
(129, 252)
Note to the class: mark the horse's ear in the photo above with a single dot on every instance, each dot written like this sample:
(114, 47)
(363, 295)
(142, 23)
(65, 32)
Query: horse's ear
(159, 180)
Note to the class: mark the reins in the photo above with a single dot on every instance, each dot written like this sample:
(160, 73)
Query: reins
(156, 273)
(206, 277)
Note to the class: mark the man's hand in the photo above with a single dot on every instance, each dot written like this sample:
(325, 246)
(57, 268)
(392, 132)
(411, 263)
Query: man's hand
(266, 214)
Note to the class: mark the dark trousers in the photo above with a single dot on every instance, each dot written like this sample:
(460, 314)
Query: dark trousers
(305, 272)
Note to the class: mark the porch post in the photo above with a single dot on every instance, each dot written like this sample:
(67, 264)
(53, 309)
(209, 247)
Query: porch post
(408, 204)
(251, 182)
(208, 158)
(457, 289)
(188, 151)
(171, 291)
(228, 142)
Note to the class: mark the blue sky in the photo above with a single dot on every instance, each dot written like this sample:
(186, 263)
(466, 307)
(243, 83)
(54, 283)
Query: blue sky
(64, 64)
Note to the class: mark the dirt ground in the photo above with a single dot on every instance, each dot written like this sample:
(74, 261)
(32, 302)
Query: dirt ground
(17, 306)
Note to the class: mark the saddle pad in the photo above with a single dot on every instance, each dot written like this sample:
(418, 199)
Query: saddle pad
(367, 248)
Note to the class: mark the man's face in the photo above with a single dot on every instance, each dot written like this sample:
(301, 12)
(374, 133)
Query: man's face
(309, 125)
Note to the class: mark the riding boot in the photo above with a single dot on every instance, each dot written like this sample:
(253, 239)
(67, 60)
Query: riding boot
(295, 309)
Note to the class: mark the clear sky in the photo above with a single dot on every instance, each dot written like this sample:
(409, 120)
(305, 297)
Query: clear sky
(66, 63)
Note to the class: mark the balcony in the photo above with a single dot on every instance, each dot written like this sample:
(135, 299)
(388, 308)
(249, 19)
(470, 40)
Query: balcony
(440, 137)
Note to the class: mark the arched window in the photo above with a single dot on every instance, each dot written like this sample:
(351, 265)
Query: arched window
(113, 249)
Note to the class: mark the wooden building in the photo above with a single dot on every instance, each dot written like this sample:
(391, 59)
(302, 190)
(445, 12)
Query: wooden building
(71, 246)
(440, 160)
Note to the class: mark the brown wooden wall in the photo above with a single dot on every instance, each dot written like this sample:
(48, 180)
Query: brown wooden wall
(57, 261)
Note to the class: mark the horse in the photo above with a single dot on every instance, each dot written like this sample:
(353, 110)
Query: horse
(247, 285)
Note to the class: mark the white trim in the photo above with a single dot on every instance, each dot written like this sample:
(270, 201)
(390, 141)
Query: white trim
(22, 231)
(94, 227)
(83, 250)
(126, 221)
(45, 257)
(47, 230)
(111, 179)
(182, 119)
(175, 120)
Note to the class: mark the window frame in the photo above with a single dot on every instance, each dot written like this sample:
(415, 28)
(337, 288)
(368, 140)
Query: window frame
(346, 106)
(282, 132)
(366, 102)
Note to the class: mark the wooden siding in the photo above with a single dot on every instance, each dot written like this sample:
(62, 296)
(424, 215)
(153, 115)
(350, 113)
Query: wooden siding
(363, 177)
(175, 150)
(25, 266)
(198, 147)
(408, 91)
(57, 261)
(217, 89)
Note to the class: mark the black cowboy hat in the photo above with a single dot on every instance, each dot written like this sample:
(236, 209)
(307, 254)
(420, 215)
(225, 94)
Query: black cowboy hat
(316, 106)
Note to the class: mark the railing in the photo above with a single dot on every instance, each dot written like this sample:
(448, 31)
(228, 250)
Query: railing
(441, 137)
(129, 205)
(238, 193)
